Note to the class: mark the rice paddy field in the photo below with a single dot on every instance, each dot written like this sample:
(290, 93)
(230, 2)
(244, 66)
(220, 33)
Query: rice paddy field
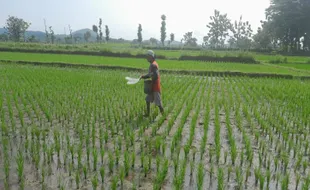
(163, 64)
(127, 47)
(66, 128)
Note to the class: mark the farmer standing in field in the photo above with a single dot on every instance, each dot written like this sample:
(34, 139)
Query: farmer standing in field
(154, 95)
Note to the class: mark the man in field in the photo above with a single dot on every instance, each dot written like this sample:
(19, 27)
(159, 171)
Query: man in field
(155, 94)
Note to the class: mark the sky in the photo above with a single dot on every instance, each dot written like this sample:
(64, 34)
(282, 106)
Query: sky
(124, 16)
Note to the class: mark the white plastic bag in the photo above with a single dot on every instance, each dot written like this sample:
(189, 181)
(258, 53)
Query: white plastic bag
(132, 80)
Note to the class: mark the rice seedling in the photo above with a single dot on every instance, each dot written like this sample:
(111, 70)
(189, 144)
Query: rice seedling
(102, 152)
(211, 153)
(247, 173)
(306, 184)
(268, 176)
(278, 175)
(194, 151)
(233, 152)
(119, 143)
(142, 159)
(192, 167)
(70, 169)
(85, 171)
(163, 147)
(200, 176)
(95, 159)
(178, 150)
(114, 182)
(122, 176)
(106, 136)
(175, 165)
(145, 168)
(72, 153)
(87, 154)
(133, 159)
(229, 171)
(126, 163)
(149, 162)
(276, 162)
(261, 181)
(285, 182)
(297, 181)
(77, 179)
(241, 157)
(117, 156)
(220, 179)
(256, 174)
(306, 147)
(20, 168)
(305, 165)
(239, 178)
(225, 157)
(186, 150)
(94, 181)
(102, 173)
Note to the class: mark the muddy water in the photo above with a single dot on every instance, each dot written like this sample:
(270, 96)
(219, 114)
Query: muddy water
(58, 173)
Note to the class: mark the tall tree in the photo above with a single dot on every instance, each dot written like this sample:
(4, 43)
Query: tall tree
(107, 33)
(288, 20)
(32, 38)
(264, 38)
(4, 37)
(16, 28)
(52, 34)
(87, 35)
(242, 34)
(76, 38)
(153, 41)
(100, 30)
(219, 28)
(70, 32)
(172, 37)
(95, 29)
(189, 40)
(205, 40)
(140, 34)
(46, 32)
(163, 29)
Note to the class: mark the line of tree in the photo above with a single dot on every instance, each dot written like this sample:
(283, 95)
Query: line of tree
(285, 28)
(98, 31)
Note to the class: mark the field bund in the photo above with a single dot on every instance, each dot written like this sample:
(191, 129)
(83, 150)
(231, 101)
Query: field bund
(166, 66)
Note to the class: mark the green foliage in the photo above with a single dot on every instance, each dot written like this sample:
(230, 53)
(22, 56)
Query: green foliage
(107, 33)
(171, 37)
(286, 23)
(85, 104)
(52, 34)
(163, 29)
(140, 34)
(87, 36)
(95, 29)
(189, 40)
(16, 28)
(242, 33)
(100, 30)
(218, 29)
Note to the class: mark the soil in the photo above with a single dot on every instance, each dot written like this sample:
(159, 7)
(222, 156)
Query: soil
(57, 172)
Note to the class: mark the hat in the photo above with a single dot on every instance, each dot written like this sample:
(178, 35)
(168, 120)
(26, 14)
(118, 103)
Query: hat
(151, 53)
